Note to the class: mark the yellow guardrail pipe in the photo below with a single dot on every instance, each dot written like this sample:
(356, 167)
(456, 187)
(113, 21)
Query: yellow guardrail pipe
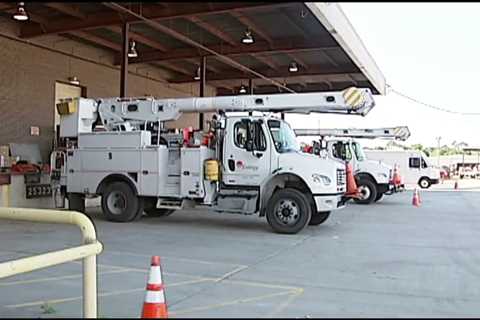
(87, 251)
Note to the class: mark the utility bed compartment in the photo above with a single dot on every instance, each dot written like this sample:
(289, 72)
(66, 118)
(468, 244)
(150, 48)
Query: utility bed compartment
(192, 171)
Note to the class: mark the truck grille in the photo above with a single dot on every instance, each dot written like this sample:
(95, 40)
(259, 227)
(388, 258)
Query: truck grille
(341, 177)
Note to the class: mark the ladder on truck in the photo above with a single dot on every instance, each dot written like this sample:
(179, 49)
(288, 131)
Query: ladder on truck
(401, 133)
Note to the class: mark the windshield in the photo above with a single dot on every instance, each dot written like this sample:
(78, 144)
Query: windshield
(283, 136)
(357, 148)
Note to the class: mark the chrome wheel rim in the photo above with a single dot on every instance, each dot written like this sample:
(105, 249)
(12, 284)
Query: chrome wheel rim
(116, 202)
(287, 212)
(364, 192)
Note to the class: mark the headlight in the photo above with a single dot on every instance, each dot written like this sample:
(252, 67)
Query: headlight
(320, 178)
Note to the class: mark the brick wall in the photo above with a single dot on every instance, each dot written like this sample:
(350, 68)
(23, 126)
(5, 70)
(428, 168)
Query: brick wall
(27, 89)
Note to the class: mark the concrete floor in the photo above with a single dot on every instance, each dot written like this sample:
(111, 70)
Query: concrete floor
(385, 260)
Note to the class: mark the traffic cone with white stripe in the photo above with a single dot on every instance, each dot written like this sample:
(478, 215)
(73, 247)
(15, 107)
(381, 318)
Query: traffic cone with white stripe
(416, 198)
(155, 305)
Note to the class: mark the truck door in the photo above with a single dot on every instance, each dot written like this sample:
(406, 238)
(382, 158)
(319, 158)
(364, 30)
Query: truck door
(414, 166)
(246, 153)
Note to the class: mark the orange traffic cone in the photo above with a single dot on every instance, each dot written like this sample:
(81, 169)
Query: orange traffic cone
(352, 189)
(155, 305)
(416, 198)
(397, 180)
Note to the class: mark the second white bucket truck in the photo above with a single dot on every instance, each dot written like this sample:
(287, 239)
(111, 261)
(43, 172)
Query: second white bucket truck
(244, 164)
(374, 178)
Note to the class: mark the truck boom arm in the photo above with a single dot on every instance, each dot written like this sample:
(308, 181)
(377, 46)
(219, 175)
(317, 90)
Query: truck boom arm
(398, 133)
(131, 111)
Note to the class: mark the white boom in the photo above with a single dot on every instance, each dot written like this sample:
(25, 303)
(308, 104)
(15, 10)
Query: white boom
(398, 133)
(131, 111)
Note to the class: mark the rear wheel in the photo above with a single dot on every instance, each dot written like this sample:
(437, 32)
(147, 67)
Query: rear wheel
(288, 211)
(367, 190)
(120, 204)
(319, 218)
(424, 183)
(379, 197)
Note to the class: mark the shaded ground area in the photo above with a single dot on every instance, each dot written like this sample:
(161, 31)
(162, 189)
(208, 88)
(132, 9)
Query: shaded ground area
(387, 259)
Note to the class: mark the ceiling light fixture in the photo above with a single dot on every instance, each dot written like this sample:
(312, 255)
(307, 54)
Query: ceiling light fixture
(132, 52)
(20, 14)
(242, 89)
(197, 75)
(248, 38)
(293, 67)
(74, 80)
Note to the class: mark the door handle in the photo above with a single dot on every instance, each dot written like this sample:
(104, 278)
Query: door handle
(258, 155)
(231, 164)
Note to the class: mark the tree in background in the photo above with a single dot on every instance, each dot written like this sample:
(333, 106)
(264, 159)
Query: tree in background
(452, 149)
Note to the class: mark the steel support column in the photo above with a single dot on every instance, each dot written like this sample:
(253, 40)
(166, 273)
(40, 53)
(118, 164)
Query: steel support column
(203, 65)
(124, 66)
(250, 88)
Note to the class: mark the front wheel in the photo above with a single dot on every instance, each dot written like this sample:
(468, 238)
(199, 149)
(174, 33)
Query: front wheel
(319, 218)
(379, 197)
(288, 211)
(367, 190)
(424, 183)
(120, 204)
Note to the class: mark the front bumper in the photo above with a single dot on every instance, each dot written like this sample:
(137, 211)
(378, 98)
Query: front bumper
(392, 188)
(330, 202)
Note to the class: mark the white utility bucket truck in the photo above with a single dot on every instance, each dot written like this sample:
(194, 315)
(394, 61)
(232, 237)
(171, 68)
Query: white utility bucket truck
(374, 178)
(243, 164)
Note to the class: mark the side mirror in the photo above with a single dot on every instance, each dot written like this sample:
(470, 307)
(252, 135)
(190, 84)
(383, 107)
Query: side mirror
(323, 144)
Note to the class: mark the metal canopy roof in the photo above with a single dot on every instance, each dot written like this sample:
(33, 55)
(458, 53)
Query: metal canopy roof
(317, 36)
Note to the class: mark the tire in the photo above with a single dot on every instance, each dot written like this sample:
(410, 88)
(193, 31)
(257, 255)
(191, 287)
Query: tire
(319, 218)
(424, 183)
(288, 211)
(367, 187)
(155, 212)
(120, 204)
(379, 197)
(76, 202)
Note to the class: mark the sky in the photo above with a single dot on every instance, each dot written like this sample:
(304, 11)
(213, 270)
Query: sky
(430, 51)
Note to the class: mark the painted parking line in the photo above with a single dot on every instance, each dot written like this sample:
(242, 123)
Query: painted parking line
(177, 258)
(186, 275)
(233, 302)
(285, 304)
(103, 294)
(73, 276)
(262, 284)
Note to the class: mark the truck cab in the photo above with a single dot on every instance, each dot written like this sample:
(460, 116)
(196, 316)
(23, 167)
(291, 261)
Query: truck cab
(374, 178)
(263, 152)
